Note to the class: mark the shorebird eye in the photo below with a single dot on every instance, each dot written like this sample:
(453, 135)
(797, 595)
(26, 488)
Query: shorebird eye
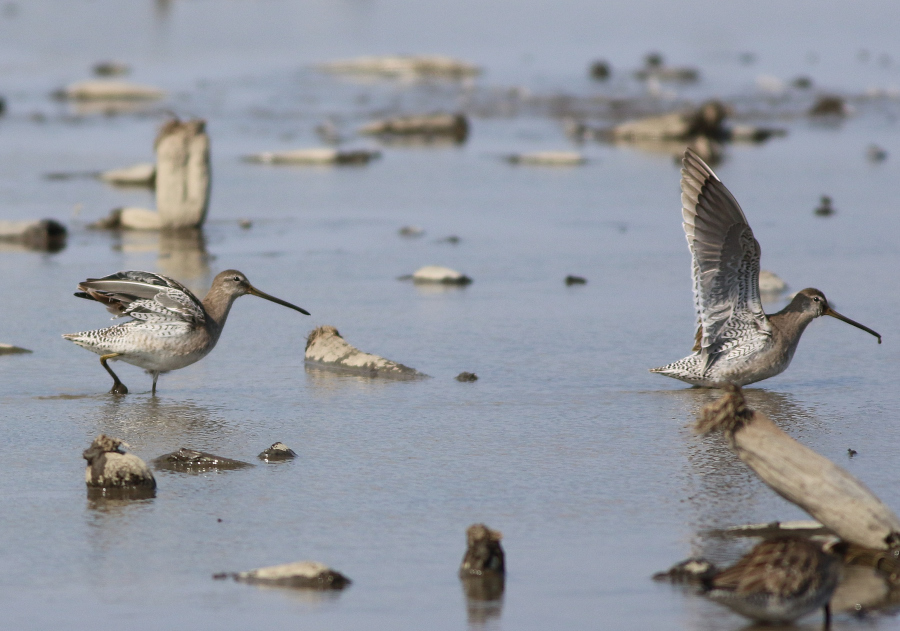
(237, 279)
(816, 298)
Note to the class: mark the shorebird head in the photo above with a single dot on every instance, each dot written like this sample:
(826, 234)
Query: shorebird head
(234, 284)
(812, 302)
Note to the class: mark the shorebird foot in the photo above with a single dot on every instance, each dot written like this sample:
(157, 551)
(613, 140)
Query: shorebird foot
(118, 386)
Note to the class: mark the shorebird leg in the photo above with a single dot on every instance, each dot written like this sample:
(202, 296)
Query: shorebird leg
(827, 624)
(155, 374)
(118, 386)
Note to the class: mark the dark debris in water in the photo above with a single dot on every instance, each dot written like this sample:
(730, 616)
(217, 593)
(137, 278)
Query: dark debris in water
(193, 461)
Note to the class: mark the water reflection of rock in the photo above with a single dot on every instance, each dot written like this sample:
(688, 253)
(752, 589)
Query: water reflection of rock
(484, 600)
(181, 253)
(327, 380)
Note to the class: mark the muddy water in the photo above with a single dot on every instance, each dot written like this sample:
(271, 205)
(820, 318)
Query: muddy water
(565, 443)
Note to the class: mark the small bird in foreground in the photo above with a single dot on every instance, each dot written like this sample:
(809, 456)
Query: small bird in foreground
(170, 327)
(736, 341)
(778, 581)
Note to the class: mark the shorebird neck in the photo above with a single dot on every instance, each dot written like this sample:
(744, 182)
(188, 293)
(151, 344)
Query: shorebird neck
(217, 304)
(791, 321)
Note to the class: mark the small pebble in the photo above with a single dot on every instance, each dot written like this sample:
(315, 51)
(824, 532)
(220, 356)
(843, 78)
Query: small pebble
(278, 451)
(466, 377)
(246, 224)
(874, 153)
(411, 231)
(452, 240)
(829, 106)
(484, 554)
(600, 70)
(575, 280)
(825, 208)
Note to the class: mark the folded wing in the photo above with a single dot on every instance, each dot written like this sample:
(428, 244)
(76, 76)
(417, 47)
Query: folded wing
(144, 296)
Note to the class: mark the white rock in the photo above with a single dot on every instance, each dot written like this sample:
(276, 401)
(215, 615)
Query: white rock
(439, 274)
(769, 283)
(549, 158)
(404, 66)
(304, 574)
(139, 219)
(141, 174)
(314, 156)
(110, 90)
(9, 349)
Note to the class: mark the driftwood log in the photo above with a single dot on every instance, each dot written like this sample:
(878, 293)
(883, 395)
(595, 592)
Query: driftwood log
(823, 489)
(327, 348)
(182, 174)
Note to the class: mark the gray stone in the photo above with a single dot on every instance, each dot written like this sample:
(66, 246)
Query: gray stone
(301, 574)
(109, 467)
(278, 451)
(193, 461)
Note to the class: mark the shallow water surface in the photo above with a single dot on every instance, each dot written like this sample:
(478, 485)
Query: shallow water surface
(566, 443)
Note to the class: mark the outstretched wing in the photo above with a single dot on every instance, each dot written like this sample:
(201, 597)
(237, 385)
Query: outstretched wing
(144, 296)
(725, 263)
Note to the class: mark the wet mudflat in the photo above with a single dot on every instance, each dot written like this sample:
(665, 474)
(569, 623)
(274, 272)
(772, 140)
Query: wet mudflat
(565, 443)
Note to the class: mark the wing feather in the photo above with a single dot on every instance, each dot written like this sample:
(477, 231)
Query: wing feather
(144, 296)
(725, 264)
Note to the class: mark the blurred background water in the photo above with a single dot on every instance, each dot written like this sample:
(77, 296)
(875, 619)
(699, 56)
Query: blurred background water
(565, 443)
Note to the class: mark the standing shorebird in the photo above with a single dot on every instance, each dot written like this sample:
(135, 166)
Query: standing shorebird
(778, 581)
(736, 342)
(170, 327)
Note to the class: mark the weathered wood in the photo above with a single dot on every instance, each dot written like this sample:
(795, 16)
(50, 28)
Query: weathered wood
(183, 174)
(9, 349)
(325, 346)
(453, 126)
(823, 489)
(193, 461)
(141, 174)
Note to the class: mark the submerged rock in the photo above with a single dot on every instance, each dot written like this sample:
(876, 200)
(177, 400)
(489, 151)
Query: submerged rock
(548, 158)
(141, 174)
(194, 461)
(278, 451)
(99, 90)
(326, 347)
(110, 468)
(825, 209)
(655, 68)
(404, 66)
(111, 68)
(46, 234)
(452, 126)
(484, 554)
(9, 349)
(575, 280)
(315, 156)
(301, 574)
(600, 70)
(438, 275)
(828, 105)
(483, 570)
(466, 377)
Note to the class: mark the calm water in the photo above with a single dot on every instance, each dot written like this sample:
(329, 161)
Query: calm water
(566, 443)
